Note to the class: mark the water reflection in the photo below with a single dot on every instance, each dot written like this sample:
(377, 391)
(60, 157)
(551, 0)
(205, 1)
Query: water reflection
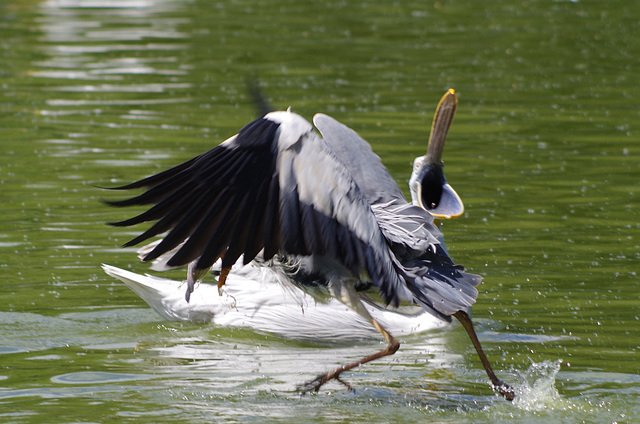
(247, 363)
(124, 43)
(93, 377)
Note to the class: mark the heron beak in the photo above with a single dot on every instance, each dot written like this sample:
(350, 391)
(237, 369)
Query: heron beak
(434, 194)
(450, 205)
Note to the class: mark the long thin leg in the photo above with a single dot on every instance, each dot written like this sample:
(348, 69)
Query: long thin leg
(348, 295)
(316, 383)
(222, 279)
(193, 276)
(502, 388)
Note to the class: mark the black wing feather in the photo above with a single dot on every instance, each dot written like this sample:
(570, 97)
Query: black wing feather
(202, 201)
(272, 226)
(256, 227)
(183, 221)
(158, 178)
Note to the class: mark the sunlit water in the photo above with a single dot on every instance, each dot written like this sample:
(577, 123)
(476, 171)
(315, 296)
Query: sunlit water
(544, 152)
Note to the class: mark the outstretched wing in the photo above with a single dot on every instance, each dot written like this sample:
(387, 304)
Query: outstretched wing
(274, 187)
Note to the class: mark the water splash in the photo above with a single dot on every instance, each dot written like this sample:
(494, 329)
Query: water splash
(536, 389)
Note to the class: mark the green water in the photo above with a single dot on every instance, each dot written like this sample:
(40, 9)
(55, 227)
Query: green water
(544, 152)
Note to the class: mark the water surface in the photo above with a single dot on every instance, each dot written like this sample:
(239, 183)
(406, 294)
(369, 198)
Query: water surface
(544, 152)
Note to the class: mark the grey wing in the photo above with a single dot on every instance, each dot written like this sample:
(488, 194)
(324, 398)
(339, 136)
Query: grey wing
(275, 187)
(402, 223)
(365, 166)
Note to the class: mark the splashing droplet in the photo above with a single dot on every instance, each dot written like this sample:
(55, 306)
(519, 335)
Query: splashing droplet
(536, 389)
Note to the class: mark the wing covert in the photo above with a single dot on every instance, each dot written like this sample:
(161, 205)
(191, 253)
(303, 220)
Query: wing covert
(365, 166)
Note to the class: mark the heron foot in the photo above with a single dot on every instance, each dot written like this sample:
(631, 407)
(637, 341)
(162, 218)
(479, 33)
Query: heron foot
(315, 384)
(505, 390)
(392, 347)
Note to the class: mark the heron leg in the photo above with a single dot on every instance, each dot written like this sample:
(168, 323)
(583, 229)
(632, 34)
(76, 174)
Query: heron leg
(500, 386)
(349, 296)
(193, 276)
(222, 279)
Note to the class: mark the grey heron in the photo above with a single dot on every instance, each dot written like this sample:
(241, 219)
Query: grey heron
(321, 209)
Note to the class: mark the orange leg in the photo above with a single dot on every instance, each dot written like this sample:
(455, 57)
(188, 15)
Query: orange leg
(347, 294)
(316, 383)
(223, 279)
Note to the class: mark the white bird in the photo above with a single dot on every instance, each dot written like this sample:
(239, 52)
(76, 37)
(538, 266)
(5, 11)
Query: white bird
(322, 213)
(255, 297)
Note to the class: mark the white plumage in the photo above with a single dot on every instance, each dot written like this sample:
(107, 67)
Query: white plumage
(254, 298)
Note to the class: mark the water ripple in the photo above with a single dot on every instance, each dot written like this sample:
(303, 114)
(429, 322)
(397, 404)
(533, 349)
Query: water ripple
(97, 377)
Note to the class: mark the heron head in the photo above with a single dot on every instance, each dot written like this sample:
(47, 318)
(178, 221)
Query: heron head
(429, 188)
